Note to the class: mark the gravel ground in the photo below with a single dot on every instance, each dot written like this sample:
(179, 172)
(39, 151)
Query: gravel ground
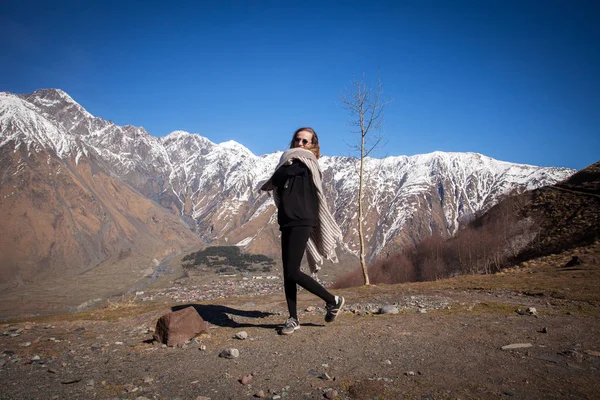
(445, 342)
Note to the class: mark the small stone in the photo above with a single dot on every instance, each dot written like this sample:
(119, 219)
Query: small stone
(242, 335)
(35, 358)
(202, 398)
(90, 383)
(230, 353)
(260, 394)
(409, 373)
(544, 330)
(388, 309)
(310, 309)
(515, 346)
(388, 362)
(326, 377)
(592, 353)
(202, 347)
(129, 388)
(531, 311)
(25, 344)
(246, 379)
(148, 379)
(331, 394)
(422, 311)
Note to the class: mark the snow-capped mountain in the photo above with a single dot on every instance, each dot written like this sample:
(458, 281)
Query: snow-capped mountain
(214, 187)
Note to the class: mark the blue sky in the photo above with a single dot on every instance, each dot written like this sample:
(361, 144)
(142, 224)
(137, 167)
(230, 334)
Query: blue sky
(516, 80)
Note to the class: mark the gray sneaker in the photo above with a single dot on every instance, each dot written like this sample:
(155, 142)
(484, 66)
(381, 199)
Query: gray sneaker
(290, 326)
(334, 309)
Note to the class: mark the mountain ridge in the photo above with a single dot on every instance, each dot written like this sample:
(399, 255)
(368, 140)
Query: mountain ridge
(213, 188)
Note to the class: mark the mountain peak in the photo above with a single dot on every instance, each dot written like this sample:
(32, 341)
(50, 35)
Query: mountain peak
(51, 99)
(233, 145)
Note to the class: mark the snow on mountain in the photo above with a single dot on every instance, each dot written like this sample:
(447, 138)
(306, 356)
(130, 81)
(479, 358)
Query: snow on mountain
(215, 187)
(24, 124)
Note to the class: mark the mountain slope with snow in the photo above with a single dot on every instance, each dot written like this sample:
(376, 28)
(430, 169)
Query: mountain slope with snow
(214, 188)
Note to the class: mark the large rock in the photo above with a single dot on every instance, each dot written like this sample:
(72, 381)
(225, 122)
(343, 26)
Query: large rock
(177, 327)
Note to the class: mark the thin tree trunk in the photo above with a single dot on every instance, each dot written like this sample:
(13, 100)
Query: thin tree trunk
(361, 238)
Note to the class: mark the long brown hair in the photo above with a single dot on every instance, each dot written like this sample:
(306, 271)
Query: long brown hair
(315, 148)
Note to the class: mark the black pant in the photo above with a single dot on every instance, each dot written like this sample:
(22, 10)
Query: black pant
(293, 245)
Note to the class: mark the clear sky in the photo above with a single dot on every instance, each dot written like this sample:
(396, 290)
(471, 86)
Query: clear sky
(516, 80)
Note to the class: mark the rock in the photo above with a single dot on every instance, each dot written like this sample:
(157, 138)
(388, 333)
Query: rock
(202, 398)
(544, 330)
(230, 353)
(331, 394)
(592, 353)
(409, 373)
(241, 335)
(71, 381)
(260, 394)
(202, 347)
(572, 262)
(246, 379)
(387, 362)
(129, 388)
(91, 382)
(388, 309)
(148, 379)
(310, 309)
(175, 328)
(531, 311)
(515, 346)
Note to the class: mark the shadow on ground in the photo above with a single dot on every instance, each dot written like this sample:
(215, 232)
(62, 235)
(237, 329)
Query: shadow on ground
(225, 316)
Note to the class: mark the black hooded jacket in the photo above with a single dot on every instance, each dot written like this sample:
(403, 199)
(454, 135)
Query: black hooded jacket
(298, 202)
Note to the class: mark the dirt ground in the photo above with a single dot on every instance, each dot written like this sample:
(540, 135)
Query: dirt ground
(445, 342)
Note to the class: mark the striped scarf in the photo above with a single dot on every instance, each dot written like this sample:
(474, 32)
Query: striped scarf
(324, 238)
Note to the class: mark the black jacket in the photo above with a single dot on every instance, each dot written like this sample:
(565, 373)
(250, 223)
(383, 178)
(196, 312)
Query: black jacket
(298, 202)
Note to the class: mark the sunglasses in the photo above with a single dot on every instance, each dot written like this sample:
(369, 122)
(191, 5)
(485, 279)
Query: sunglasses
(300, 140)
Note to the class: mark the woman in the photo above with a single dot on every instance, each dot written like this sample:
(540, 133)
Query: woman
(305, 223)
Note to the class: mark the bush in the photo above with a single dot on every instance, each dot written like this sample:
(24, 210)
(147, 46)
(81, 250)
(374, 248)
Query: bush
(226, 257)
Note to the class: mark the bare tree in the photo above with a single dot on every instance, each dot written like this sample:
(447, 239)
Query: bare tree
(365, 106)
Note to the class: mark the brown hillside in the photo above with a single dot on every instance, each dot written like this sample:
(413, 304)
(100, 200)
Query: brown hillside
(554, 218)
(61, 220)
(587, 180)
